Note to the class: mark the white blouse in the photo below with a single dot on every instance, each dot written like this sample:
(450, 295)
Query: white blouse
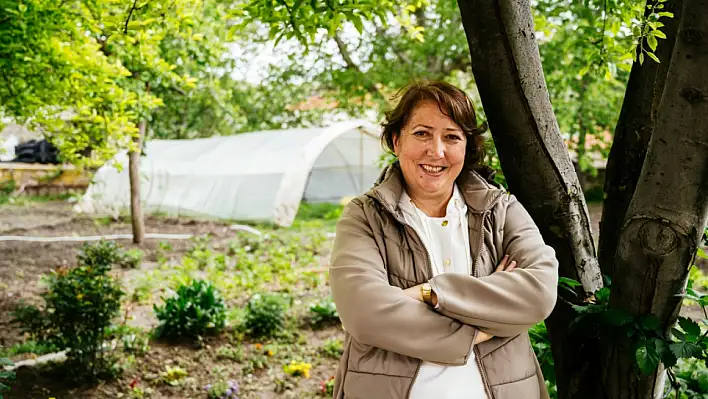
(447, 242)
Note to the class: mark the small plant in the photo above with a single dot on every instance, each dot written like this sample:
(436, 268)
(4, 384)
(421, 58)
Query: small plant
(173, 376)
(255, 362)
(229, 352)
(222, 389)
(162, 252)
(5, 376)
(200, 251)
(327, 387)
(197, 309)
(265, 315)
(324, 312)
(34, 347)
(131, 259)
(79, 306)
(103, 253)
(333, 348)
(298, 369)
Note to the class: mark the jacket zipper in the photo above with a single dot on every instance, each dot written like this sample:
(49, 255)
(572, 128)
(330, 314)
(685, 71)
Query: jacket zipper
(430, 270)
(475, 273)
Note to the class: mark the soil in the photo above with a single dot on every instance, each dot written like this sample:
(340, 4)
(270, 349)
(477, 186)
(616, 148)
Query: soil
(23, 263)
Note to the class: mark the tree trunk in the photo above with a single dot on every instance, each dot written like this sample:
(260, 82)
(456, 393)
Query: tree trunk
(632, 134)
(666, 215)
(136, 208)
(507, 68)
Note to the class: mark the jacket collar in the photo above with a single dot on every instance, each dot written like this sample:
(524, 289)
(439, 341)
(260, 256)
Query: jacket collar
(479, 194)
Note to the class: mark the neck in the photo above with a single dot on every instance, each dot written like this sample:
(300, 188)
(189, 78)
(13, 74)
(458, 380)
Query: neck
(432, 205)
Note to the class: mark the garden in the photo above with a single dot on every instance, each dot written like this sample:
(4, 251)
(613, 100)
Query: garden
(232, 312)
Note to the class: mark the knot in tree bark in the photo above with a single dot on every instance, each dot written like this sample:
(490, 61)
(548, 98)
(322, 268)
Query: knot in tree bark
(657, 238)
(692, 35)
(692, 95)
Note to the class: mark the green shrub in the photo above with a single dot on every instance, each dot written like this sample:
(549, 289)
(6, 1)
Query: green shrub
(197, 309)
(5, 376)
(265, 315)
(80, 304)
(131, 259)
(324, 312)
(542, 347)
(102, 253)
(333, 348)
(692, 375)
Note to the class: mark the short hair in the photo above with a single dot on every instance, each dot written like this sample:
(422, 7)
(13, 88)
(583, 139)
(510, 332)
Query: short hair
(452, 102)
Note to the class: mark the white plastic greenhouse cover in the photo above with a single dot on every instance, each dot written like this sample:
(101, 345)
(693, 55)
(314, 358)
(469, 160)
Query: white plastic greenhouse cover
(259, 176)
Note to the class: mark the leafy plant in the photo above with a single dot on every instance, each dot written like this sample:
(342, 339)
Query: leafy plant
(229, 352)
(327, 387)
(131, 259)
(323, 312)
(265, 315)
(79, 306)
(5, 376)
(333, 348)
(197, 309)
(173, 376)
(222, 389)
(542, 348)
(34, 347)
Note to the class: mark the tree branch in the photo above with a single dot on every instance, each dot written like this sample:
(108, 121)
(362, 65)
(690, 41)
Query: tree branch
(130, 14)
(344, 51)
(397, 51)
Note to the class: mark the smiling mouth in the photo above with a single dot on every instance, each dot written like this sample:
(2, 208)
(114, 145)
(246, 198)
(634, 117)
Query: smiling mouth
(433, 169)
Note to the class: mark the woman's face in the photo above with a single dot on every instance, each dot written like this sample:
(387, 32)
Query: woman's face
(431, 151)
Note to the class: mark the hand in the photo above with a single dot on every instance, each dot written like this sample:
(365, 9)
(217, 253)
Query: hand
(505, 266)
(482, 337)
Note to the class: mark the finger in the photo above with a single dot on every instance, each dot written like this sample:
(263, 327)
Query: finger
(502, 264)
(512, 266)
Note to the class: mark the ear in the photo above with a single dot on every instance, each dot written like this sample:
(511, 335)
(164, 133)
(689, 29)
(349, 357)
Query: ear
(396, 138)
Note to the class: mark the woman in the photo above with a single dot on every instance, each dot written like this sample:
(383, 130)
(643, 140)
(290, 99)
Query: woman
(436, 273)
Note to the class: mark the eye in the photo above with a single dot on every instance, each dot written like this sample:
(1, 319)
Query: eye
(454, 137)
(420, 133)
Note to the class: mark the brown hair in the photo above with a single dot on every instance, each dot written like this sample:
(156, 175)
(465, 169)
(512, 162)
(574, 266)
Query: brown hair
(452, 101)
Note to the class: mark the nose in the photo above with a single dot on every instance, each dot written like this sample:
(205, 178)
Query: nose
(436, 149)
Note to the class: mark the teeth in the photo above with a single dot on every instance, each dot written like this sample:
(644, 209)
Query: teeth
(432, 169)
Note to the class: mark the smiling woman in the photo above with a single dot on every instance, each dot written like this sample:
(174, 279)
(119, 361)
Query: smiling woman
(436, 273)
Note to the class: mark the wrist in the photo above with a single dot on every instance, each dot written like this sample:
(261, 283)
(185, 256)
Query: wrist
(426, 294)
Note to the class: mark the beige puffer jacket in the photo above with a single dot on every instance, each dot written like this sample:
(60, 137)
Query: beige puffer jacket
(376, 254)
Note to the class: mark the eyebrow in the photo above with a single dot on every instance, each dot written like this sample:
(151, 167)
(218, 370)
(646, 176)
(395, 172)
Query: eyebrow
(452, 129)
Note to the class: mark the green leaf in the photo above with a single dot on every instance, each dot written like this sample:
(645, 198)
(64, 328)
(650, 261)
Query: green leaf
(602, 295)
(653, 57)
(651, 40)
(356, 20)
(649, 322)
(569, 282)
(662, 348)
(685, 349)
(691, 328)
(658, 33)
(617, 317)
(647, 358)
(666, 14)
(641, 58)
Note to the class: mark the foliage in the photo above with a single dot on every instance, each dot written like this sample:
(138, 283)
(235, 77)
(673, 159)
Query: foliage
(33, 347)
(298, 369)
(222, 389)
(692, 378)
(542, 348)
(80, 304)
(173, 376)
(5, 376)
(197, 309)
(333, 348)
(324, 211)
(131, 258)
(327, 387)
(324, 311)
(265, 314)
(652, 345)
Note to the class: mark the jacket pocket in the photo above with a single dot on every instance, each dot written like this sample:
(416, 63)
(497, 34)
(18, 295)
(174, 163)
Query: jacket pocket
(508, 360)
(374, 386)
(527, 388)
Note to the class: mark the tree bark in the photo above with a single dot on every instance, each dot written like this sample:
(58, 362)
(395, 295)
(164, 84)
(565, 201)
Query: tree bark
(507, 68)
(136, 208)
(632, 134)
(669, 209)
